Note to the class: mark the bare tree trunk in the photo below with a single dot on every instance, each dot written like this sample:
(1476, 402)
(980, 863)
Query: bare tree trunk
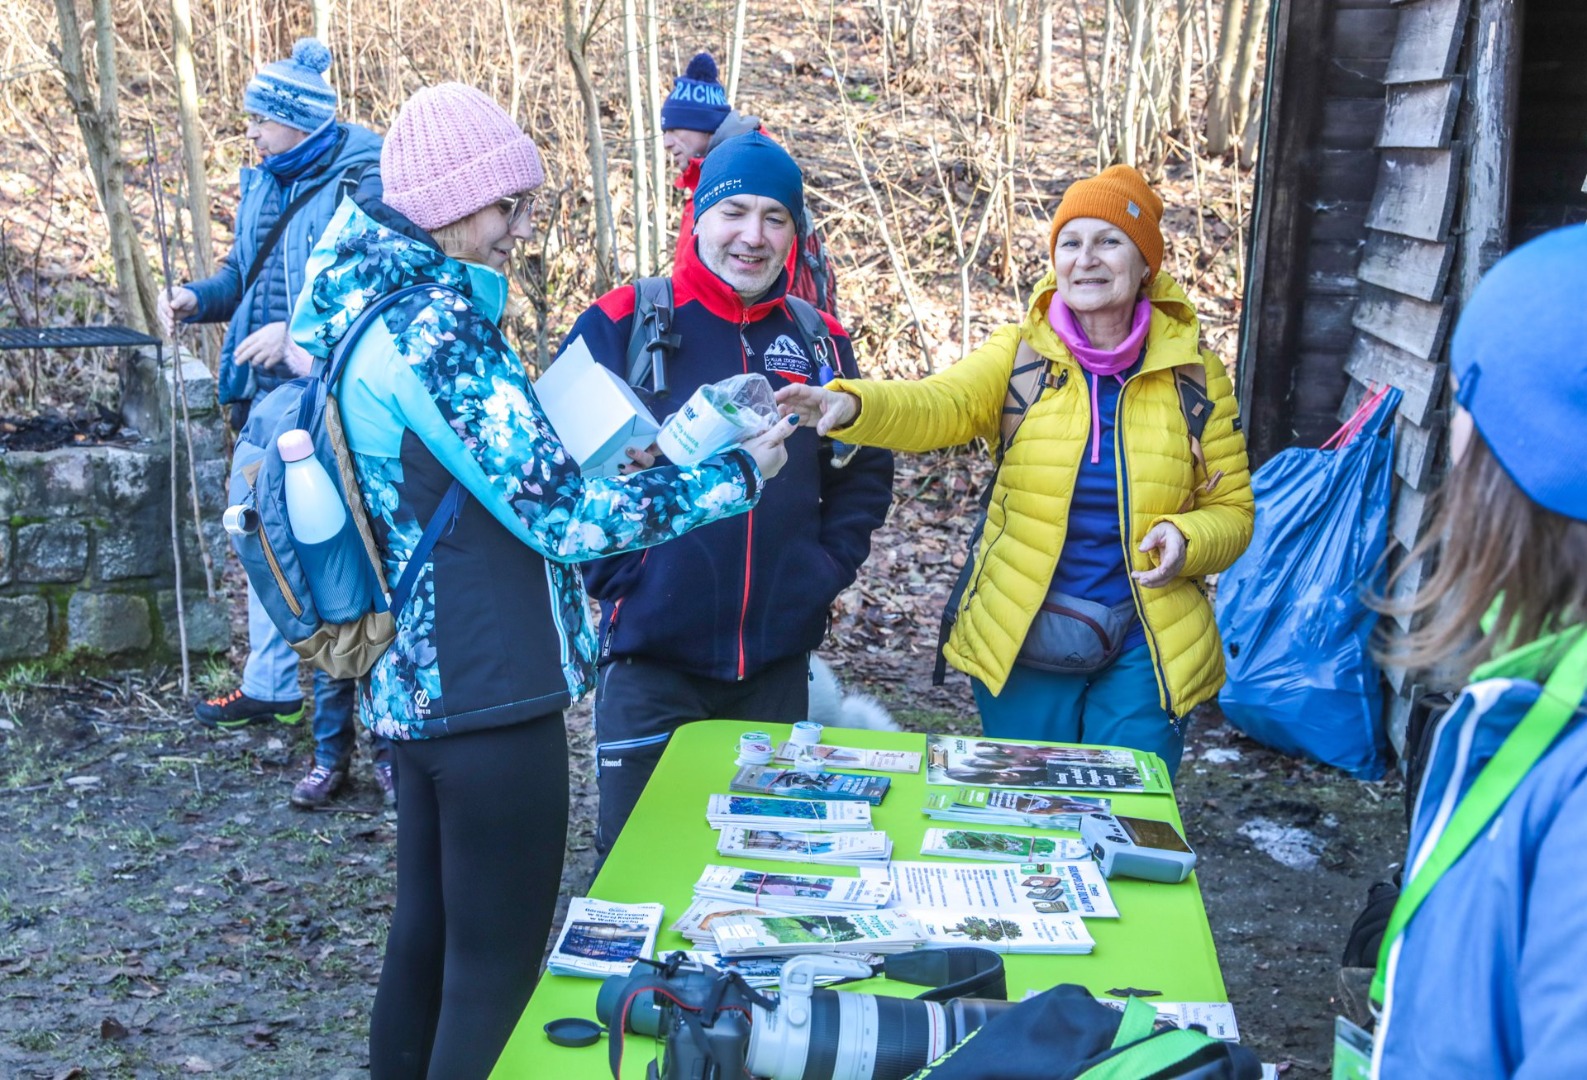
(1184, 35)
(659, 161)
(636, 139)
(1244, 76)
(1220, 94)
(192, 137)
(1044, 49)
(509, 28)
(1130, 139)
(322, 21)
(575, 38)
(735, 50)
(101, 128)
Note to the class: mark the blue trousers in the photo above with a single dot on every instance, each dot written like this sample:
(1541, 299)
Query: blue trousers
(1114, 707)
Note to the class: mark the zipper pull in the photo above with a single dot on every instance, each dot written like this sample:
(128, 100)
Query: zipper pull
(743, 339)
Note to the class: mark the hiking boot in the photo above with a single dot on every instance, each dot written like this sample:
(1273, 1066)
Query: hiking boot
(235, 709)
(316, 789)
(387, 782)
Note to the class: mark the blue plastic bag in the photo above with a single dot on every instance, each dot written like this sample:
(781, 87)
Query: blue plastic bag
(1296, 633)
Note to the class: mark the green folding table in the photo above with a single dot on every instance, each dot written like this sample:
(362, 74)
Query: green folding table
(1161, 941)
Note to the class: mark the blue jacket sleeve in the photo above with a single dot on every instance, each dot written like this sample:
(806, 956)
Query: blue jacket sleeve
(855, 498)
(1553, 949)
(220, 293)
(470, 403)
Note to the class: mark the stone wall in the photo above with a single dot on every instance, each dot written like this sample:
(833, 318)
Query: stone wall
(86, 559)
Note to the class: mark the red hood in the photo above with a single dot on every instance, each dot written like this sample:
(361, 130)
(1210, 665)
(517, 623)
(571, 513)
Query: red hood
(692, 279)
(689, 178)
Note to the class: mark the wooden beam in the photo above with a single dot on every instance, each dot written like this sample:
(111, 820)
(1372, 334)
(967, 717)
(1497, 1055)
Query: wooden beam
(1416, 268)
(1495, 77)
(1351, 123)
(1325, 323)
(1418, 450)
(1416, 192)
(1420, 116)
(1282, 216)
(1414, 325)
(1331, 267)
(1421, 382)
(1364, 33)
(1413, 509)
(1427, 43)
(1346, 174)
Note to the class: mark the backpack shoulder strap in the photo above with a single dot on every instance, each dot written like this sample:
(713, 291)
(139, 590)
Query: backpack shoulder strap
(348, 179)
(1025, 383)
(651, 338)
(1191, 382)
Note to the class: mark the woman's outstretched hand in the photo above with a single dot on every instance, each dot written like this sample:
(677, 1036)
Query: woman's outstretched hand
(767, 448)
(1169, 543)
(817, 407)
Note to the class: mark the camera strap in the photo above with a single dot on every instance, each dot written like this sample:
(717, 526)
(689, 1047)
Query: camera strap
(962, 971)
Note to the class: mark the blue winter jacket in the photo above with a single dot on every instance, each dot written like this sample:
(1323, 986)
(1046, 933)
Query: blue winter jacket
(275, 290)
(728, 600)
(1487, 980)
(497, 630)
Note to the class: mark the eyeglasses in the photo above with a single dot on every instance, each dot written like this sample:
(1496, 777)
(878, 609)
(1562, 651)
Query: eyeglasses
(514, 208)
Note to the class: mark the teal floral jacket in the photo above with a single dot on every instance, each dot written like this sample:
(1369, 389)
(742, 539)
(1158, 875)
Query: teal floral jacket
(497, 630)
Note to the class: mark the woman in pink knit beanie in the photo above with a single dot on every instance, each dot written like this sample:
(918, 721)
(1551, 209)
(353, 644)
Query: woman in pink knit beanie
(464, 478)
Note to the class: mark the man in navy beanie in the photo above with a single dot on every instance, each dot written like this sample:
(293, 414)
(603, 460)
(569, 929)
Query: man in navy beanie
(721, 623)
(307, 161)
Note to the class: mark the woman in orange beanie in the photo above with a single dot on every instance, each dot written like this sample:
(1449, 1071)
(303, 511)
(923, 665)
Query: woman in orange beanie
(1122, 483)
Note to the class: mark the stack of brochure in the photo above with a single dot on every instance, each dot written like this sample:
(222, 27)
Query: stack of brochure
(820, 815)
(846, 757)
(761, 972)
(791, 935)
(1007, 933)
(601, 938)
(1000, 846)
(792, 845)
(797, 893)
(1032, 809)
(953, 759)
(765, 780)
(695, 923)
(1072, 888)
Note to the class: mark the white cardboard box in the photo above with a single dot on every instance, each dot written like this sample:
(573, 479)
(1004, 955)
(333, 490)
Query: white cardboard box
(595, 413)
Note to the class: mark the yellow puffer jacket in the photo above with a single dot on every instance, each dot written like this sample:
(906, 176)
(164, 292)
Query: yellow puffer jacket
(1029, 512)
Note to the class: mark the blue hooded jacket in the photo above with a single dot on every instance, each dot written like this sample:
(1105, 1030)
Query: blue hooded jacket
(355, 153)
(1486, 981)
(729, 600)
(497, 630)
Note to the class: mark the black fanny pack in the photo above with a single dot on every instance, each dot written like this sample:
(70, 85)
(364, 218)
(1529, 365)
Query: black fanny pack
(1074, 636)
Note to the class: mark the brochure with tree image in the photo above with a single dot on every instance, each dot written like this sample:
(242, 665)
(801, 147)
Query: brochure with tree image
(695, 923)
(602, 938)
(793, 893)
(765, 780)
(750, 811)
(1033, 809)
(762, 972)
(851, 757)
(1000, 846)
(849, 848)
(792, 935)
(953, 759)
(1006, 933)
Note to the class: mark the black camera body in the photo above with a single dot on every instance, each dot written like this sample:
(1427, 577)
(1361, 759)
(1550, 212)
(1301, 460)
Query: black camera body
(701, 1015)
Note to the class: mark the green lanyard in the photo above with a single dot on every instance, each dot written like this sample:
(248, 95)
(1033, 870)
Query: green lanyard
(1522, 749)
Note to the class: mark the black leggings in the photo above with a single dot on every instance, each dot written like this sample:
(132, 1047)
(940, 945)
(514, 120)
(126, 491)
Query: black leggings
(481, 828)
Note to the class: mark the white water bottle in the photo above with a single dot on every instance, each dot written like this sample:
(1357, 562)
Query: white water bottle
(314, 509)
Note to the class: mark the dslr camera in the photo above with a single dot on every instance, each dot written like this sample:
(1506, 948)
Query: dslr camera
(713, 1026)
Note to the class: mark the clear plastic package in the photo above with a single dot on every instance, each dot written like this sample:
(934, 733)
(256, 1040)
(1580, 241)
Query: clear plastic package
(717, 416)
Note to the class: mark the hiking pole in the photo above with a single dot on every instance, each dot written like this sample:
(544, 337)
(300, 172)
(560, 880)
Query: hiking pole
(176, 366)
(187, 432)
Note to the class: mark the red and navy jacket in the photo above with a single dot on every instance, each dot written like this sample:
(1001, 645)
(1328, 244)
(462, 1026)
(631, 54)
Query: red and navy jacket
(731, 598)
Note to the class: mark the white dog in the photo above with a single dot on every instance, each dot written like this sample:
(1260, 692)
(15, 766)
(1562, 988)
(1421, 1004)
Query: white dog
(830, 706)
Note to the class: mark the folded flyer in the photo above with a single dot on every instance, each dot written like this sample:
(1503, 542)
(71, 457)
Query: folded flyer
(602, 938)
(872, 889)
(1006, 933)
(791, 845)
(792, 935)
(765, 780)
(695, 923)
(955, 759)
(762, 972)
(986, 889)
(1062, 888)
(848, 757)
(1034, 809)
(821, 815)
(1000, 846)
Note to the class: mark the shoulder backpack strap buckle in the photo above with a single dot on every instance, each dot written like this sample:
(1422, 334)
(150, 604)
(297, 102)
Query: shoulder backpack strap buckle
(1190, 380)
(652, 339)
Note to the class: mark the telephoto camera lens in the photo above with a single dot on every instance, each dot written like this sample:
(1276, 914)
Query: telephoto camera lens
(853, 1036)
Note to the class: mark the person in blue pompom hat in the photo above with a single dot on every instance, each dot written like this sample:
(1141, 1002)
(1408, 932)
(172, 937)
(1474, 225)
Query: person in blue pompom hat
(1480, 970)
(722, 622)
(307, 162)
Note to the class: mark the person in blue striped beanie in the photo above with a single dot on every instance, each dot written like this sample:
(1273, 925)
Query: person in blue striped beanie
(294, 92)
